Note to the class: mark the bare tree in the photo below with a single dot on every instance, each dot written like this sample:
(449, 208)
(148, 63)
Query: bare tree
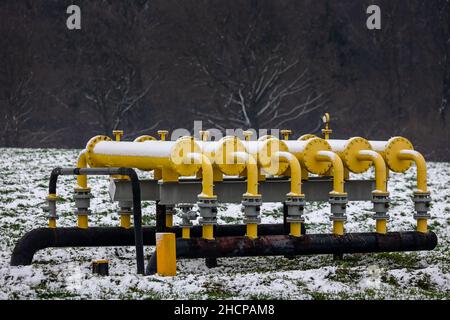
(17, 84)
(249, 67)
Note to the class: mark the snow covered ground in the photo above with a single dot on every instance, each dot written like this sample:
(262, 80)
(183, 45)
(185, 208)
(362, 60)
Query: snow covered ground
(65, 273)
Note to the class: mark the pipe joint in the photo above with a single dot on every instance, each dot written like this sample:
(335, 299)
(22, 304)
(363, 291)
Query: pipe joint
(338, 207)
(295, 208)
(208, 211)
(50, 208)
(251, 207)
(422, 205)
(187, 215)
(380, 206)
(82, 201)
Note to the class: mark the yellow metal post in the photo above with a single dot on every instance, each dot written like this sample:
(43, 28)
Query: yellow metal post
(83, 221)
(166, 257)
(117, 134)
(286, 133)
(52, 223)
(208, 231)
(295, 229)
(186, 233)
(338, 228)
(381, 226)
(125, 221)
(169, 220)
(422, 225)
(162, 134)
(327, 131)
(252, 230)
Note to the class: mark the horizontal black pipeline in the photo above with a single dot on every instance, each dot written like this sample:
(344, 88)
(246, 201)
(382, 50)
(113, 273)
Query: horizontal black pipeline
(42, 238)
(275, 245)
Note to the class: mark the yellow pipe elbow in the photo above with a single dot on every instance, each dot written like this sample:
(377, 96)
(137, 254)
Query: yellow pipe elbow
(380, 168)
(421, 166)
(252, 172)
(82, 163)
(338, 169)
(207, 174)
(296, 172)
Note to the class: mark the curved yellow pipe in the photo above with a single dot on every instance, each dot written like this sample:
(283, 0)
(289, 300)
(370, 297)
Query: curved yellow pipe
(421, 166)
(296, 172)
(338, 169)
(207, 174)
(82, 163)
(252, 172)
(296, 185)
(380, 168)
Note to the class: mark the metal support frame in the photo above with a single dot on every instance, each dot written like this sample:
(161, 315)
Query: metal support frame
(231, 190)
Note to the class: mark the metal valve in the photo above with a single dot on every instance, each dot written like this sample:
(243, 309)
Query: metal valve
(208, 211)
(338, 207)
(251, 206)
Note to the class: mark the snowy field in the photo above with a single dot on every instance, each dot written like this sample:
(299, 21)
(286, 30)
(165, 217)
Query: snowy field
(65, 273)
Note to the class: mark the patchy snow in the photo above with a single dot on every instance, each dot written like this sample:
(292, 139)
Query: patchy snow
(65, 273)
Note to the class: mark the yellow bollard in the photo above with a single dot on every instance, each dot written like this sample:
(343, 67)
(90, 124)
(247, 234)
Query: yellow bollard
(166, 256)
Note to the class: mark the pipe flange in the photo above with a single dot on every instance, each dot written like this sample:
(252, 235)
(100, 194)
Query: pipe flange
(295, 219)
(187, 215)
(251, 206)
(208, 210)
(83, 212)
(380, 205)
(125, 211)
(90, 148)
(393, 147)
(422, 205)
(338, 203)
(82, 201)
(50, 208)
(170, 209)
(295, 207)
(145, 138)
(124, 204)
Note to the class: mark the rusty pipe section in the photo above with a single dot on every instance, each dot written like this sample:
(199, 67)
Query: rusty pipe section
(277, 245)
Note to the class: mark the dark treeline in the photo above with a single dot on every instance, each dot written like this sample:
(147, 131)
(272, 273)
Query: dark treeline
(143, 65)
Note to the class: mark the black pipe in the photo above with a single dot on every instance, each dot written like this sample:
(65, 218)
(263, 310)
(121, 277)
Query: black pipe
(306, 245)
(282, 245)
(136, 191)
(160, 217)
(43, 238)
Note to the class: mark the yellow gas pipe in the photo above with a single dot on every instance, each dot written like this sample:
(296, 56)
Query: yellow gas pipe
(421, 166)
(252, 185)
(125, 218)
(296, 185)
(207, 189)
(338, 181)
(399, 153)
(380, 180)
